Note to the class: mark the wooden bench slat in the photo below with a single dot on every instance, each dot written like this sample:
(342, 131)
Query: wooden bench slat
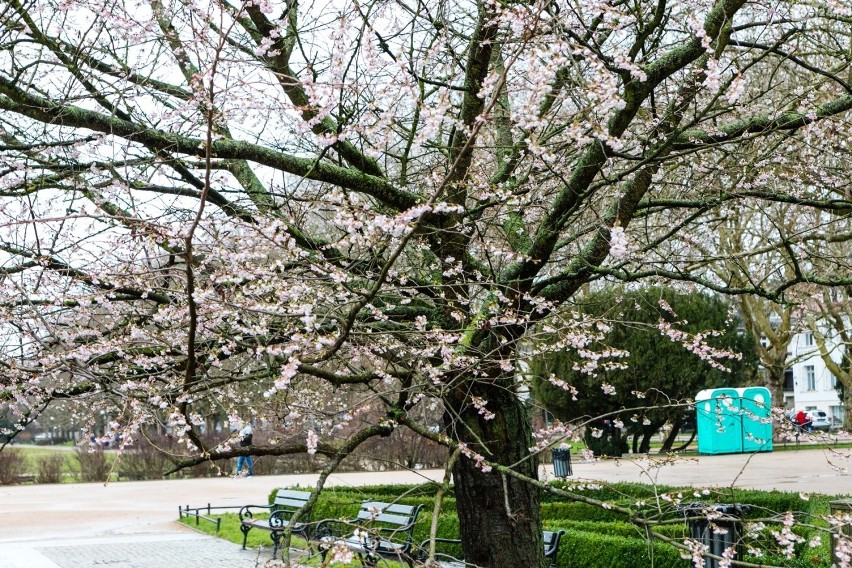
(384, 518)
(293, 494)
(358, 544)
(398, 521)
(284, 506)
(264, 524)
(289, 503)
(388, 507)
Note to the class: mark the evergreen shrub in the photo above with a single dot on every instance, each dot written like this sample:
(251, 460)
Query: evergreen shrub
(597, 537)
(584, 549)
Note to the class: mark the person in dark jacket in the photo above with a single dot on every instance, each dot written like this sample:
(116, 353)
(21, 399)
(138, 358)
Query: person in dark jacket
(245, 441)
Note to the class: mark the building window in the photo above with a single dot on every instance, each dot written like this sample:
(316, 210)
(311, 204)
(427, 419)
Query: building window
(837, 415)
(832, 381)
(809, 339)
(788, 379)
(810, 376)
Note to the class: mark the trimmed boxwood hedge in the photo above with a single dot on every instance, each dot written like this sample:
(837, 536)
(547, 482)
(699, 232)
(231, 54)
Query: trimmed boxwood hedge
(617, 492)
(583, 549)
(597, 537)
(578, 512)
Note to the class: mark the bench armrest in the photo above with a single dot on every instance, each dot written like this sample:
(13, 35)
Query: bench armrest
(331, 527)
(423, 549)
(400, 529)
(246, 511)
(447, 540)
(281, 518)
(551, 548)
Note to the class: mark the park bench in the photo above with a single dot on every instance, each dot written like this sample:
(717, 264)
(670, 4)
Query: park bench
(286, 503)
(551, 548)
(379, 530)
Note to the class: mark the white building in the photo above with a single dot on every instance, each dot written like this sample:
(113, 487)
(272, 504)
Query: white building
(814, 386)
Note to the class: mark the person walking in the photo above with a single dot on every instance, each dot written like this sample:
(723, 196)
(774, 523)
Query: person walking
(245, 441)
(801, 421)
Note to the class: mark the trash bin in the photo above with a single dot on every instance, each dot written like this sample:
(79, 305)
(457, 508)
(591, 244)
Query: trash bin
(841, 510)
(561, 462)
(722, 530)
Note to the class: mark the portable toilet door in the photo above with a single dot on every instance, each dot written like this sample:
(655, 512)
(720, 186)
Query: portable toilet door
(719, 423)
(756, 403)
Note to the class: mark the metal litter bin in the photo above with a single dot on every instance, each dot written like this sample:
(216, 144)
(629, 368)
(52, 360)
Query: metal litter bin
(561, 462)
(718, 527)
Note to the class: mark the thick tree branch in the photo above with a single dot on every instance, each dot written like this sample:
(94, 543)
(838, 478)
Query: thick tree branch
(49, 112)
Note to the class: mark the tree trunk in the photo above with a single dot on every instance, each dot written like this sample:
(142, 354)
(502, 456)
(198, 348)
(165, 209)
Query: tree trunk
(499, 515)
(685, 445)
(844, 383)
(670, 439)
(774, 382)
(645, 446)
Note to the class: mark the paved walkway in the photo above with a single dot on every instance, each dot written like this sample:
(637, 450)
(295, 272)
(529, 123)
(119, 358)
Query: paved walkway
(132, 524)
(182, 548)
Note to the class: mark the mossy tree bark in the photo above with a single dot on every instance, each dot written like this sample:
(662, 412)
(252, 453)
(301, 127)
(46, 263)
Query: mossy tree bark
(499, 514)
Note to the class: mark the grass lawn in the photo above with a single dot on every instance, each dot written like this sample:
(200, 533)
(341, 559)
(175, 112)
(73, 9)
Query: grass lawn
(229, 529)
(33, 455)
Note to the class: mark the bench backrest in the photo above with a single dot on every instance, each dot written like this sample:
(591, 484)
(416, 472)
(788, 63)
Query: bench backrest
(289, 500)
(389, 516)
(551, 542)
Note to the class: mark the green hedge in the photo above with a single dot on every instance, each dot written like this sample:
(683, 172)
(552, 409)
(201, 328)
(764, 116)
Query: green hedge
(578, 512)
(618, 492)
(584, 549)
(620, 528)
(601, 538)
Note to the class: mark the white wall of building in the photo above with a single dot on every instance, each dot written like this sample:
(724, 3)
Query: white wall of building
(814, 386)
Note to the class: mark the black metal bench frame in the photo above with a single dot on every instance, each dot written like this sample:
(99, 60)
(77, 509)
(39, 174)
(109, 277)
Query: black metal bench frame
(287, 502)
(551, 548)
(384, 530)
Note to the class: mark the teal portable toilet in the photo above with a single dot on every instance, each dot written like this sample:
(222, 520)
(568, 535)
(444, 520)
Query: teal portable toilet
(756, 404)
(718, 421)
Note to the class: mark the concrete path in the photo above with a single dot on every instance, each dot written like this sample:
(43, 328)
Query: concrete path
(132, 524)
(826, 471)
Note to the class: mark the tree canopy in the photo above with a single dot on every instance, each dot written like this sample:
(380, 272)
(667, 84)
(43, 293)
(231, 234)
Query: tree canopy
(335, 214)
(659, 374)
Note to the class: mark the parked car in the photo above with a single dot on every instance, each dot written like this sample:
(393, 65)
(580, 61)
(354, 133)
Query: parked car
(819, 420)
